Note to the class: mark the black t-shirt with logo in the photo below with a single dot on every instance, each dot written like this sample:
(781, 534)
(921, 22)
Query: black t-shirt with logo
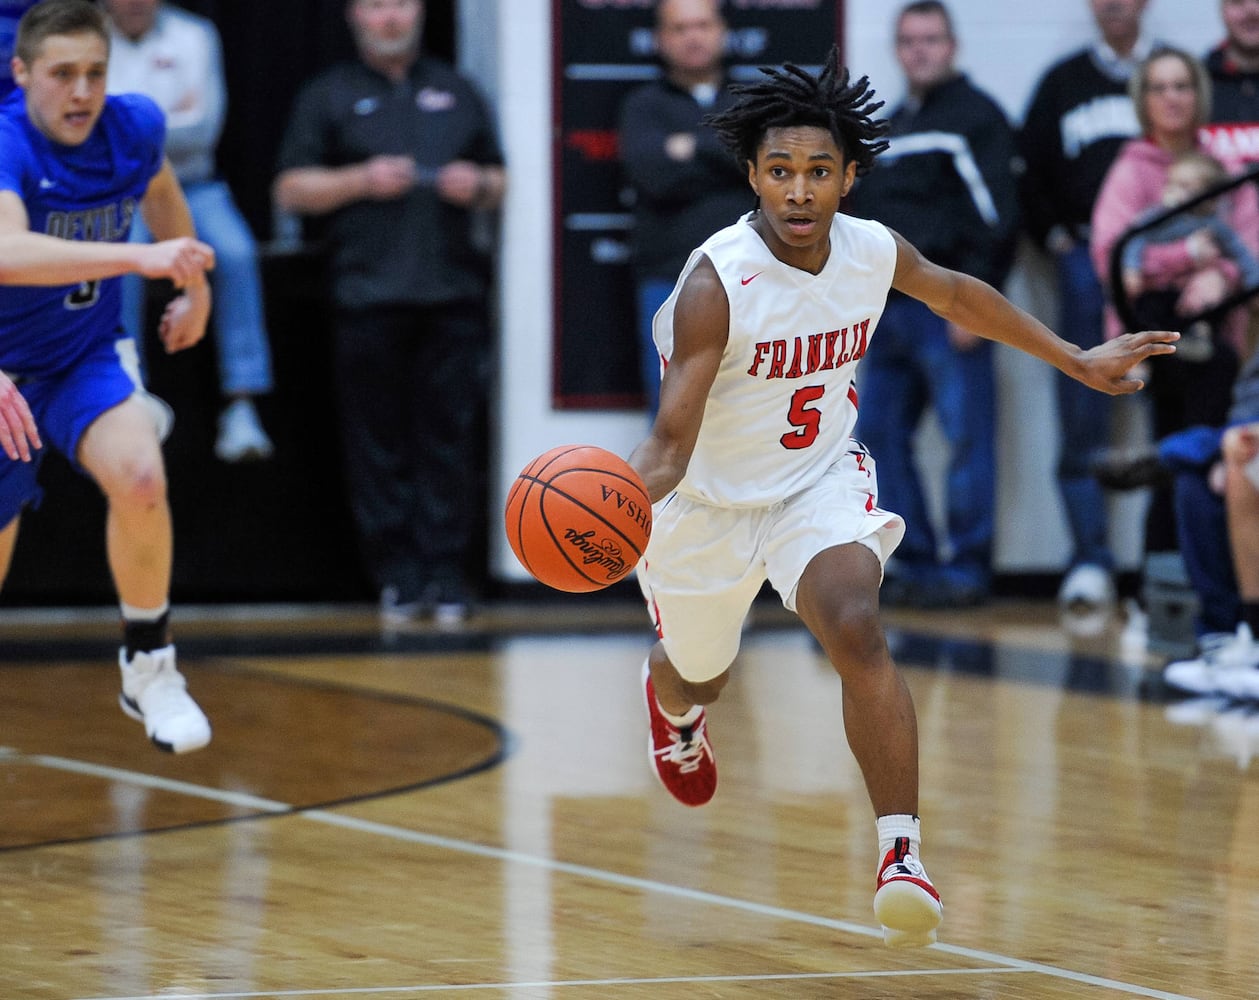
(417, 249)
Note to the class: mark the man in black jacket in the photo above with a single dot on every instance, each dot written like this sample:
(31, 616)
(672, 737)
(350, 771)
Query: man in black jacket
(1234, 69)
(1079, 116)
(947, 185)
(684, 182)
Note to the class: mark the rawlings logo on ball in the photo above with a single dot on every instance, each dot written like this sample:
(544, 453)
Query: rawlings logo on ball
(578, 518)
(605, 552)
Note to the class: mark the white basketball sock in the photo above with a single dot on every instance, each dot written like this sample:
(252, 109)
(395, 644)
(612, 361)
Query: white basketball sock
(898, 825)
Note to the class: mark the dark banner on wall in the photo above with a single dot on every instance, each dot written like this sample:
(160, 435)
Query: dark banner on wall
(602, 49)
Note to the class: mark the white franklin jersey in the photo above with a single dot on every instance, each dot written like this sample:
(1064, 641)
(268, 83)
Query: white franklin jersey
(782, 408)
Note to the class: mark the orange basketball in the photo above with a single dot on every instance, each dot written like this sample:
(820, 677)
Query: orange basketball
(578, 518)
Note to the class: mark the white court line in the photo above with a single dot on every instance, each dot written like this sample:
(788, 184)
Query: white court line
(551, 984)
(580, 871)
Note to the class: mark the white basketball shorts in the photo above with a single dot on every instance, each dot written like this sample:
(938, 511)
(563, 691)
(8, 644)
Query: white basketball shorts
(705, 565)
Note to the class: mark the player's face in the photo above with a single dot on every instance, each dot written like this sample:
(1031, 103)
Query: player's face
(801, 177)
(386, 29)
(925, 50)
(690, 35)
(65, 86)
(1241, 24)
(133, 18)
(1171, 98)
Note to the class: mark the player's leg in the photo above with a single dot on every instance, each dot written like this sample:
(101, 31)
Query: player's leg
(699, 578)
(837, 599)
(825, 555)
(18, 488)
(121, 451)
(8, 540)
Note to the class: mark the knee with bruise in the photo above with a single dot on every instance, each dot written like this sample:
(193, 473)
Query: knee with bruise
(140, 484)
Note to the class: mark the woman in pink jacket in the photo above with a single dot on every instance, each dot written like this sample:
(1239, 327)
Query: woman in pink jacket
(1171, 92)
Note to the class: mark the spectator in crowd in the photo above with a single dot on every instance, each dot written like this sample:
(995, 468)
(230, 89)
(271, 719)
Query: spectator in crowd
(175, 58)
(947, 185)
(1171, 94)
(1234, 69)
(11, 12)
(1159, 297)
(1079, 116)
(1222, 507)
(684, 183)
(65, 376)
(399, 151)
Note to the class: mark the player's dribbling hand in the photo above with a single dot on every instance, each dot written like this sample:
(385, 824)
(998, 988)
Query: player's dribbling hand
(18, 433)
(184, 319)
(1109, 366)
(182, 260)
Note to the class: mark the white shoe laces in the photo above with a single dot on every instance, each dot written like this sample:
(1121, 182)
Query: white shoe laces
(687, 754)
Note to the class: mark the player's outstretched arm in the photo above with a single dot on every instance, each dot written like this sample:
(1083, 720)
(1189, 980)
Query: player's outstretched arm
(701, 326)
(980, 308)
(34, 259)
(177, 255)
(18, 433)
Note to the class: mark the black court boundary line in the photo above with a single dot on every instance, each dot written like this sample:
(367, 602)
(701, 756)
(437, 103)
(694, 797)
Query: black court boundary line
(505, 746)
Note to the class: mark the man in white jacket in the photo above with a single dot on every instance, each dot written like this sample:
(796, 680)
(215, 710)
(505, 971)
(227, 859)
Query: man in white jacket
(175, 58)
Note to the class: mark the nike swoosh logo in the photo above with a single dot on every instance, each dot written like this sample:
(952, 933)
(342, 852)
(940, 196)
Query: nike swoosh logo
(748, 280)
(45, 184)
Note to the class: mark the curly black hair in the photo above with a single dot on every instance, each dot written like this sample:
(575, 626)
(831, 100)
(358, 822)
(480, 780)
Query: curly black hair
(791, 96)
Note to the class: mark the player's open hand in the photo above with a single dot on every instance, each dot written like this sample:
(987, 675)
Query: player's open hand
(184, 319)
(1108, 367)
(184, 260)
(18, 433)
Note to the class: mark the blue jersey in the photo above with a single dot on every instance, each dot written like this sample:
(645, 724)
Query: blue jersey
(85, 192)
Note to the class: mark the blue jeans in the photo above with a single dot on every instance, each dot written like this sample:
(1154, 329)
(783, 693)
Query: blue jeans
(244, 353)
(910, 364)
(651, 295)
(1202, 526)
(1083, 413)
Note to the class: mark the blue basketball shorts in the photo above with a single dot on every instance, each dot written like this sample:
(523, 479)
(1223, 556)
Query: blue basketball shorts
(64, 406)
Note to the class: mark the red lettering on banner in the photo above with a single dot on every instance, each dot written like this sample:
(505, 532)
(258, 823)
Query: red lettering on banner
(1232, 143)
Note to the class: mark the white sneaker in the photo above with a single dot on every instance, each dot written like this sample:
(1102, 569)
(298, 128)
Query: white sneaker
(241, 436)
(1134, 639)
(450, 614)
(1087, 586)
(1224, 666)
(905, 902)
(154, 692)
(394, 611)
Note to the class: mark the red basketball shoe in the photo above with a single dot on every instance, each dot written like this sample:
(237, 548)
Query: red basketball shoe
(905, 901)
(681, 757)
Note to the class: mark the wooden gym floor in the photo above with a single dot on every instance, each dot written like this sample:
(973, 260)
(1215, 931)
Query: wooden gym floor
(470, 813)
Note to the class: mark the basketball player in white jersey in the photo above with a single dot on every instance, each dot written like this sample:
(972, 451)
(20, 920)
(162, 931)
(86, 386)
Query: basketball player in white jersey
(750, 461)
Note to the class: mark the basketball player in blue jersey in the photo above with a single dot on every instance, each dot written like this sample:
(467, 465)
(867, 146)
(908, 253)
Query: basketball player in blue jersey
(750, 462)
(75, 167)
